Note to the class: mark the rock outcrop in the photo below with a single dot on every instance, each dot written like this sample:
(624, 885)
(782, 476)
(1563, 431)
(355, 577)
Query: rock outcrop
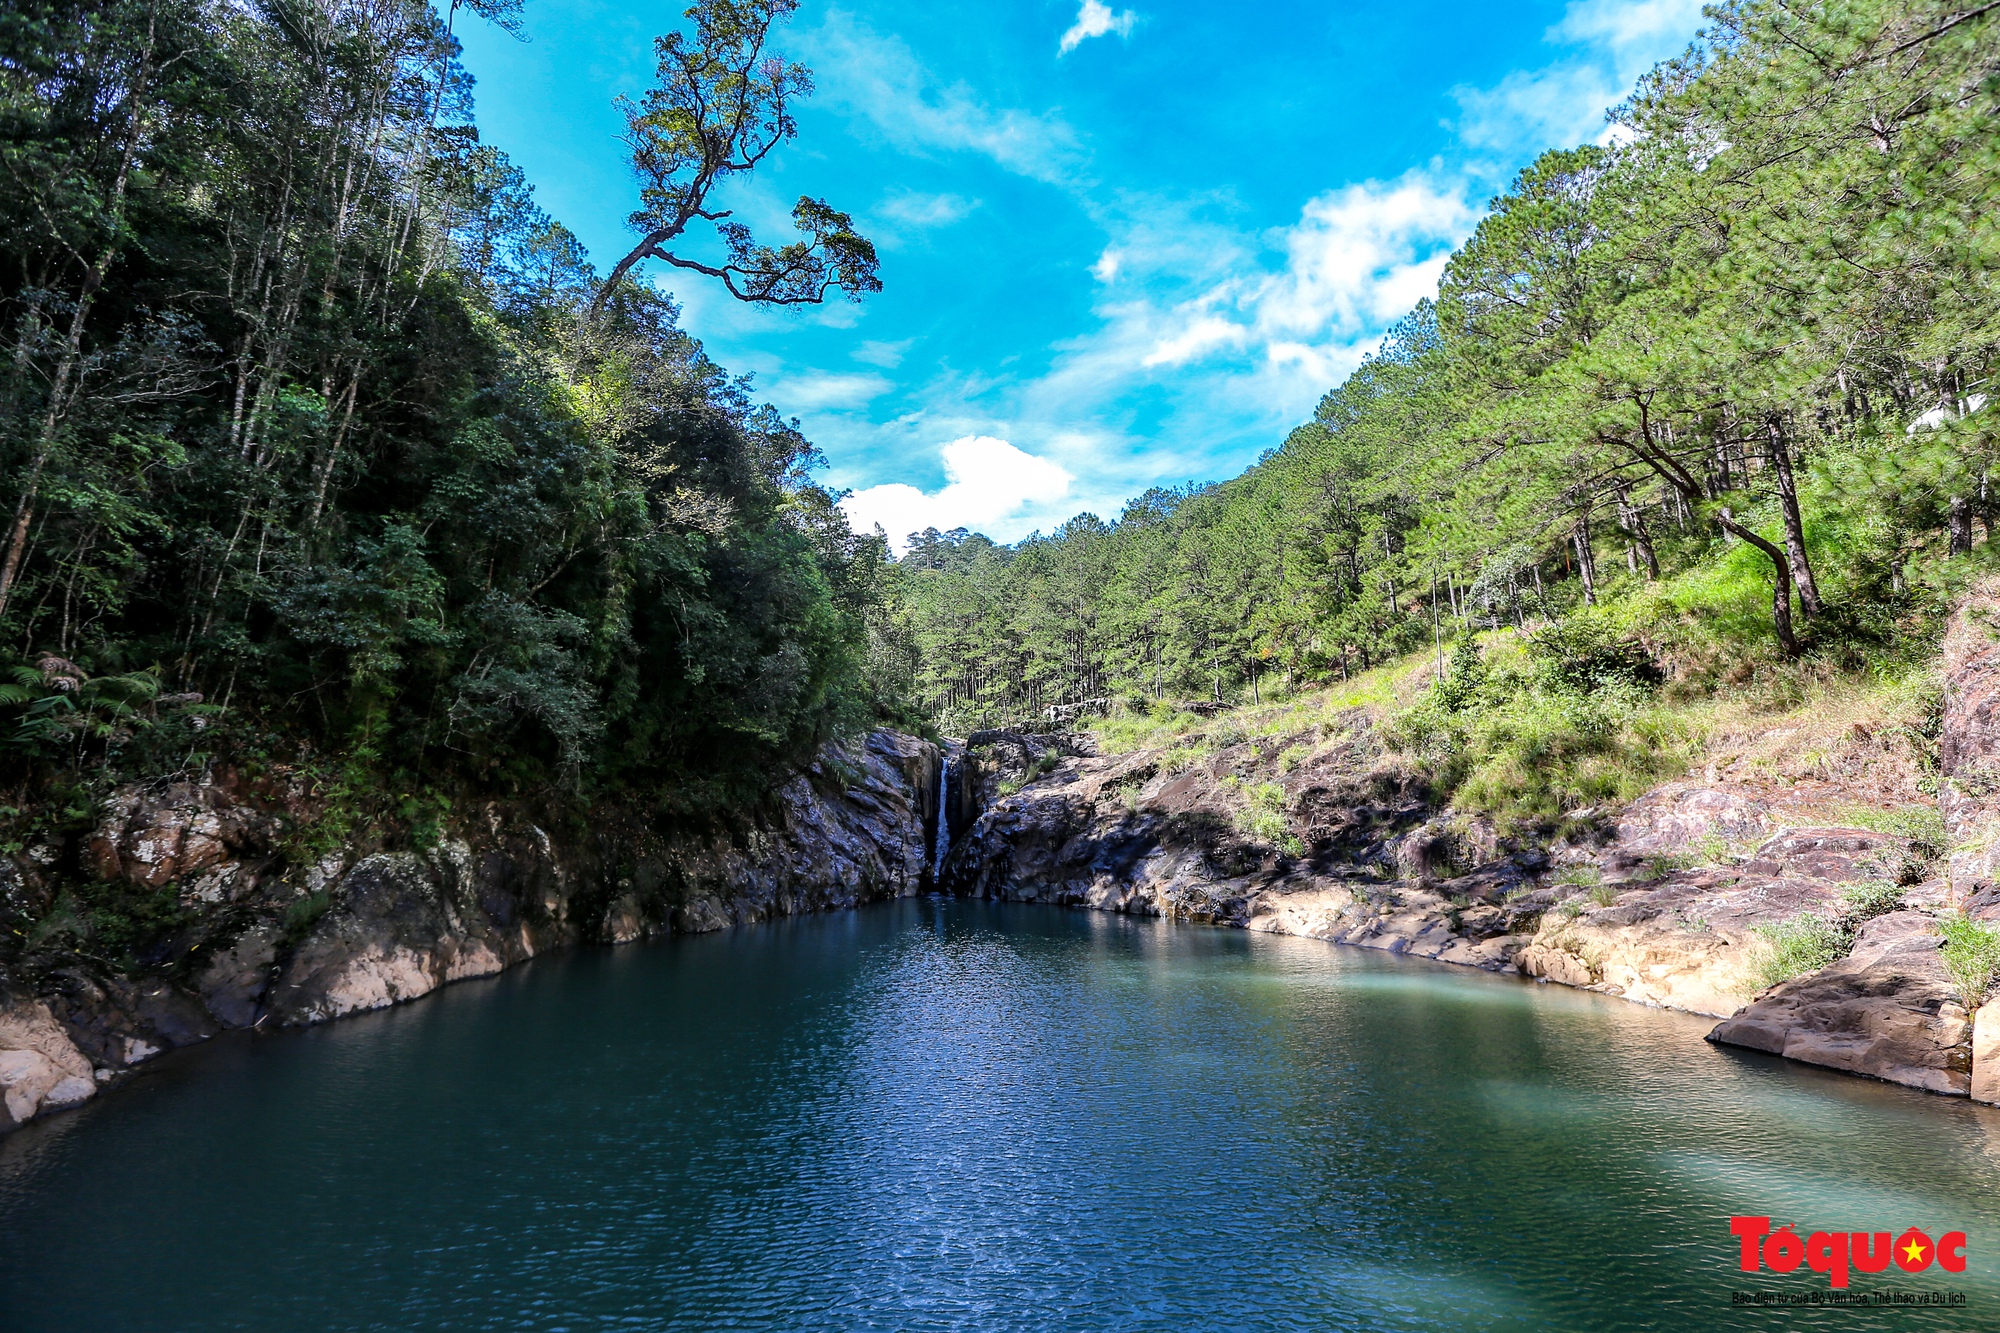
(1887, 1010)
(1671, 900)
(1667, 902)
(266, 941)
(41, 1069)
(1969, 751)
(1687, 938)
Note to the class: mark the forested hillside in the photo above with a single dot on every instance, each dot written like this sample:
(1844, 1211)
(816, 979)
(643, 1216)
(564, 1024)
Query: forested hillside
(322, 442)
(1708, 398)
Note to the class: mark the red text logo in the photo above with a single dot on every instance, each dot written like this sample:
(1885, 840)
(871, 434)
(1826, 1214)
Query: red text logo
(1836, 1253)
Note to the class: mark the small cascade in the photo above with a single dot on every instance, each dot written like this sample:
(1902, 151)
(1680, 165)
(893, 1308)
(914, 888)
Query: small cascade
(943, 842)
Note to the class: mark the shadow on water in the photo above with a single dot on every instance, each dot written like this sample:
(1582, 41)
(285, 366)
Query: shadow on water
(956, 1115)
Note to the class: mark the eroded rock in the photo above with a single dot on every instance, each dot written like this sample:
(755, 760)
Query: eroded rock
(361, 928)
(41, 1069)
(1887, 1011)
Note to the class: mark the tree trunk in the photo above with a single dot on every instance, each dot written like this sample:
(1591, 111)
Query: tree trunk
(1586, 559)
(1669, 470)
(1632, 518)
(1959, 525)
(1795, 532)
(1781, 587)
(93, 278)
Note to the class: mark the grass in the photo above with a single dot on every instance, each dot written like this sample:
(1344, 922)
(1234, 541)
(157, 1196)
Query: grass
(1923, 825)
(1664, 681)
(1870, 899)
(301, 915)
(1971, 955)
(1804, 944)
(1309, 711)
(1536, 728)
(1263, 818)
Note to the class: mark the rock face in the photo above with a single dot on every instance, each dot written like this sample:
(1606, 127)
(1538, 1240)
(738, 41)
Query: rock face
(1969, 750)
(1664, 904)
(40, 1067)
(1687, 938)
(1152, 835)
(270, 943)
(1887, 1010)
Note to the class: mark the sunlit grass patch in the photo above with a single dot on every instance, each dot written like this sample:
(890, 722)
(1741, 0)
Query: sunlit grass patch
(1794, 948)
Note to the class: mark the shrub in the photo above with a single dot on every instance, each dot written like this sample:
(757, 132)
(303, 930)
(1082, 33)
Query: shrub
(1923, 825)
(1806, 943)
(1263, 817)
(1870, 899)
(1971, 955)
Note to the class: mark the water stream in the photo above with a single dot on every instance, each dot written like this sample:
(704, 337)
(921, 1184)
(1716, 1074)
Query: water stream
(942, 843)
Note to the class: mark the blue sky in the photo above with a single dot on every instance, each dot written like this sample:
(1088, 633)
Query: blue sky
(1121, 245)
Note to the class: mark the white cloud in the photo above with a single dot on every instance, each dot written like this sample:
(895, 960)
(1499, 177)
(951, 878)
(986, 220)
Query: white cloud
(881, 80)
(1210, 339)
(887, 355)
(819, 390)
(1623, 24)
(987, 481)
(1558, 106)
(923, 211)
(1563, 103)
(1356, 259)
(1095, 19)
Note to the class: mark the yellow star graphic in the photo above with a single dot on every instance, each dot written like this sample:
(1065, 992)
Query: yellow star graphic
(1914, 1250)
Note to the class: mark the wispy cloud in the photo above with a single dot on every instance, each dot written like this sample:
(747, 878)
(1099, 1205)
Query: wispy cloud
(1207, 338)
(1095, 19)
(1563, 102)
(887, 355)
(880, 80)
(921, 212)
(819, 390)
(1356, 259)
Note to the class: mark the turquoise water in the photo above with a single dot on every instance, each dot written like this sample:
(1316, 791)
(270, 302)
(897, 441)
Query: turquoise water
(934, 1115)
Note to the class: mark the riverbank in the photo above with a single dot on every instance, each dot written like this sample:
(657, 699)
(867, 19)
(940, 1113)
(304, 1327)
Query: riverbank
(263, 937)
(1794, 832)
(960, 1114)
(1792, 884)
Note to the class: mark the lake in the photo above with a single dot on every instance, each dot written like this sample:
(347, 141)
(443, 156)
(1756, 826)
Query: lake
(962, 1115)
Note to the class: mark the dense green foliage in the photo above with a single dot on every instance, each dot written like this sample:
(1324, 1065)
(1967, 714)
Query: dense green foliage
(307, 438)
(1707, 399)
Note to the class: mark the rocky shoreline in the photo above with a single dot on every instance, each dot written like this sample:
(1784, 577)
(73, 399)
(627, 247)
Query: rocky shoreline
(1666, 902)
(270, 944)
(1659, 903)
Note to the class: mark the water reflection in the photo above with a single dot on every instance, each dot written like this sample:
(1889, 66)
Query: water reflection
(964, 1116)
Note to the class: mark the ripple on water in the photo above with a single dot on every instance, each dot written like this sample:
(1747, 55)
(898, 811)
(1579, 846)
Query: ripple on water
(959, 1116)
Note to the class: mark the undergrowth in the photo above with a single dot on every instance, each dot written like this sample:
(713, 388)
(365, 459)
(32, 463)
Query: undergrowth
(1971, 955)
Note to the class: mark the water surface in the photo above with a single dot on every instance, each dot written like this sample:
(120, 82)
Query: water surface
(947, 1116)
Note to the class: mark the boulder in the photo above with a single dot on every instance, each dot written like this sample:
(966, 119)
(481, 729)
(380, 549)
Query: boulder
(360, 928)
(1985, 1085)
(41, 1069)
(1887, 1010)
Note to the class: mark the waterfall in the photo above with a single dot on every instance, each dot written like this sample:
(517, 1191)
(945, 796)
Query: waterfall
(943, 843)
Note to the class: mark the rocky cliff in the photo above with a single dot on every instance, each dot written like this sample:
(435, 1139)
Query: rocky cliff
(258, 935)
(1675, 900)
